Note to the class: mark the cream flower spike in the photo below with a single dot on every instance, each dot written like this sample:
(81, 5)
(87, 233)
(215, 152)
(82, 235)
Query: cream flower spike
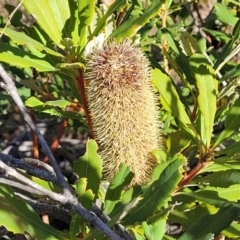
(123, 108)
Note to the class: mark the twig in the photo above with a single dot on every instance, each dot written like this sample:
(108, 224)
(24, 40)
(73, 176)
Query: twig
(57, 210)
(30, 184)
(89, 217)
(38, 163)
(17, 163)
(119, 228)
(9, 86)
(20, 186)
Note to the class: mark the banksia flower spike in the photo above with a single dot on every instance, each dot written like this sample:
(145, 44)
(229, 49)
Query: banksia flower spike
(123, 108)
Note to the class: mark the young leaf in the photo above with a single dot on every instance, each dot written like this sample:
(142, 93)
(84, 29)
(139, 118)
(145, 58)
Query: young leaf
(50, 15)
(90, 166)
(18, 217)
(122, 178)
(206, 99)
(115, 7)
(156, 194)
(131, 26)
(86, 13)
(232, 123)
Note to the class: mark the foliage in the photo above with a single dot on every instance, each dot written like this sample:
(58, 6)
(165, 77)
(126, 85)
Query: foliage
(196, 181)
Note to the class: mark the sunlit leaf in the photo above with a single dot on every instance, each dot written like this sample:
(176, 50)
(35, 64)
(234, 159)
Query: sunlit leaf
(50, 15)
(156, 194)
(89, 166)
(18, 217)
(206, 99)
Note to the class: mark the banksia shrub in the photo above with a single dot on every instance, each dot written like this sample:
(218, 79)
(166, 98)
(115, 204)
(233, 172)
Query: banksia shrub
(123, 108)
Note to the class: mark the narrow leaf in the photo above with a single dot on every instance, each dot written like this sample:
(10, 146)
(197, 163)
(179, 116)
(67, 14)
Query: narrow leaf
(115, 7)
(222, 178)
(156, 194)
(131, 26)
(232, 123)
(86, 13)
(170, 99)
(17, 216)
(58, 103)
(206, 99)
(211, 224)
(121, 179)
(17, 57)
(21, 38)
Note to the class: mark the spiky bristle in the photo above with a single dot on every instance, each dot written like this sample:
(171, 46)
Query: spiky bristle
(123, 108)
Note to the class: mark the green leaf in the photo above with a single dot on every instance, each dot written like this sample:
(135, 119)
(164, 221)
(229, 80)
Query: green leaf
(90, 166)
(233, 231)
(232, 123)
(75, 225)
(154, 231)
(131, 26)
(115, 7)
(177, 142)
(230, 47)
(206, 85)
(171, 101)
(219, 36)
(155, 227)
(194, 213)
(189, 43)
(225, 15)
(33, 102)
(121, 179)
(58, 103)
(230, 193)
(50, 15)
(230, 150)
(86, 13)
(226, 163)
(222, 178)
(18, 217)
(87, 199)
(17, 57)
(209, 196)
(156, 194)
(211, 224)
(21, 38)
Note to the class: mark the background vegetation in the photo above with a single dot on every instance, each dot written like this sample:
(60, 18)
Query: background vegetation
(194, 51)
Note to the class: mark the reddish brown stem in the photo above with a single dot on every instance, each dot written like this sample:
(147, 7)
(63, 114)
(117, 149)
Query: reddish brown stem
(81, 89)
(58, 137)
(120, 18)
(35, 150)
(191, 175)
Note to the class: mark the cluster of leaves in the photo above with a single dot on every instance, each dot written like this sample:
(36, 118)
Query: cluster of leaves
(200, 112)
